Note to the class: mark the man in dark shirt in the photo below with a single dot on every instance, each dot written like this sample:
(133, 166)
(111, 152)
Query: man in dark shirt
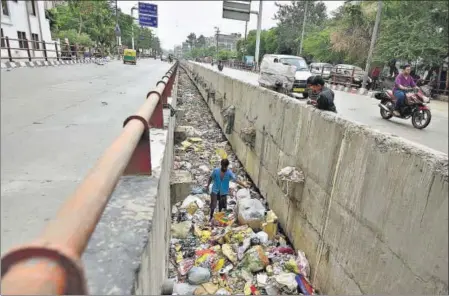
(325, 100)
(309, 94)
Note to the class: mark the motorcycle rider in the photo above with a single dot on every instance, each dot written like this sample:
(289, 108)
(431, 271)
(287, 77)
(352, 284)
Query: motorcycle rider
(403, 82)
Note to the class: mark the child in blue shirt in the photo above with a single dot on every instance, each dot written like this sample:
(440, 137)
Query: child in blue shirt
(220, 188)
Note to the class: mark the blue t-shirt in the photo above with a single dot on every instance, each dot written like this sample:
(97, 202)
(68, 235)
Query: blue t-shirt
(220, 186)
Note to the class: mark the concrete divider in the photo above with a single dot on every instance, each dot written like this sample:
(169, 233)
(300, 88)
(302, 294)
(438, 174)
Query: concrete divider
(372, 212)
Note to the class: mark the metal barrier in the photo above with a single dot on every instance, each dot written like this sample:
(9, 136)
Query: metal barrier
(51, 265)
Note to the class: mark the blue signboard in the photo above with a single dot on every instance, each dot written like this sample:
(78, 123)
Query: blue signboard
(148, 20)
(148, 9)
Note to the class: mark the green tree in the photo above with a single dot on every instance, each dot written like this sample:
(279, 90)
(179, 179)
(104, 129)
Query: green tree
(290, 19)
(191, 40)
(201, 41)
(423, 35)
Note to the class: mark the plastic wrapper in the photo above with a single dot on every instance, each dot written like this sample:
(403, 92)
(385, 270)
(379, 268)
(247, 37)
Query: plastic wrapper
(304, 286)
(263, 237)
(273, 73)
(222, 219)
(251, 212)
(218, 265)
(206, 289)
(300, 265)
(198, 275)
(229, 253)
(242, 249)
(223, 291)
(185, 265)
(255, 259)
(181, 230)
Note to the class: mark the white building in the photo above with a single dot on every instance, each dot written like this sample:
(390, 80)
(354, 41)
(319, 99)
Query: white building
(228, 42)
(25, 20)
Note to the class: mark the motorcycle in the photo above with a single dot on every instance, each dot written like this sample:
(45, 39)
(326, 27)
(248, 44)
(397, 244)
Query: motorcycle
(415, 107)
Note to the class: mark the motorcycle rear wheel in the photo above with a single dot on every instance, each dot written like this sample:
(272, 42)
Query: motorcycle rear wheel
(385, 114)
(417, 119)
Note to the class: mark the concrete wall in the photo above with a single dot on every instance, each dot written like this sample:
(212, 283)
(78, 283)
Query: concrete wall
(372, 214)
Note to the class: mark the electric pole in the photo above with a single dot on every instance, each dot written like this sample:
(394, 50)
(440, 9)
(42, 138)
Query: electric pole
(246, 29)
(217, 32)
(373, 43)
(303, 27)
(259, 25)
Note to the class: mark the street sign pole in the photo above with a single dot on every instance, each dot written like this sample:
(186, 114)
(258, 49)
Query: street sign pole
(259, 26)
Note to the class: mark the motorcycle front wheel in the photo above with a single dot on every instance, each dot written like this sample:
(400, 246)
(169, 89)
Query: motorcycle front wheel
(421, 119)
(387, 114)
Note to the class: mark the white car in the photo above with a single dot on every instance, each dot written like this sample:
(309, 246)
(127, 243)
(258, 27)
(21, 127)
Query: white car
(284, 71)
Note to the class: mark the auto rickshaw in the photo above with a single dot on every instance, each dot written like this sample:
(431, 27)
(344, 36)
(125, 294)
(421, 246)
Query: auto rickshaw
(129, 56)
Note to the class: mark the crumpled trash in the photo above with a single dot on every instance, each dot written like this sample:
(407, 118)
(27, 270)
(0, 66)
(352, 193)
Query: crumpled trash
(304, 286)
(206, 289)
(242, 249)
(223, 291)
(300, 265)
(262, 236)
(197, 190)
(185, 265)
(183, 289)
(291, 174)
(181, 230)
(287, 279)
(223, 219)
(255, 259)
(262, 279)
(229, 253)
(198, 275)
(250, 212)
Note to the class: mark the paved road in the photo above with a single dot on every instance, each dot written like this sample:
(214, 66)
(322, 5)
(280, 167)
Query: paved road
(55, 123)
(364, 110)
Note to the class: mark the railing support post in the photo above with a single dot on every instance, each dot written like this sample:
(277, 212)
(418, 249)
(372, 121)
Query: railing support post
(57, 53)
(28, 49)
(9, 48)
(140, 162)
(157, 118)
(45, 51)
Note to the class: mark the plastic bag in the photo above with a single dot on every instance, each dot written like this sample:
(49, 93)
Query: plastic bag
(242, 249)
(221, 153)
(223, 291)
(304, 286)
(288, 280)
(229, 253)
(218, 265)
(198, 275)
(191, 208)
(255, 259)
(251, 212)
(192, 198)
(243, 193)
(181, 230)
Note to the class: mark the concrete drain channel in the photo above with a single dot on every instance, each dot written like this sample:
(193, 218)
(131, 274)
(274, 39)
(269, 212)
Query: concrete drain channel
(242, 250)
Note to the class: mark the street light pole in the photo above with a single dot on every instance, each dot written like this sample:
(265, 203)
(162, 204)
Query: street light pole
(303, 27)
(217, 32)
(259, 25)
(373, 42)
(132, 26)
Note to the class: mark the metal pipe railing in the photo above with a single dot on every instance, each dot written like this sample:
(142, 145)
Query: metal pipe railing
(52, 265)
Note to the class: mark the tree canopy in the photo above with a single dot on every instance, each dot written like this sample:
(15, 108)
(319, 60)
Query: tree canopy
(92, 23)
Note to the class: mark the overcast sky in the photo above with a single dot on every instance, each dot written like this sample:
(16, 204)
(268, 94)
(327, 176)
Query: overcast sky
(177, 19)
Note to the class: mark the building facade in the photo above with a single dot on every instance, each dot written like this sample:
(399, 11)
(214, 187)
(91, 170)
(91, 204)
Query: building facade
(225, 41)
(25, 25)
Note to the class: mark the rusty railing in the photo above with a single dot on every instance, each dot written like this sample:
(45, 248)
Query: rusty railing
(51, 265)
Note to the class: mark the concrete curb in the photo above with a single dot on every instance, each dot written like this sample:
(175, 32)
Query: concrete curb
(11, 65)
(351, 90)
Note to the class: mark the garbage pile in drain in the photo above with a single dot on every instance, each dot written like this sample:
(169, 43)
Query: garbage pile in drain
(241, 250)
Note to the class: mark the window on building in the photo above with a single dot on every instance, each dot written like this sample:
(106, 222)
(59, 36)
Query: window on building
(3, 40)
(35, 39)
(5, 10)
(23, 43)
(32, 7)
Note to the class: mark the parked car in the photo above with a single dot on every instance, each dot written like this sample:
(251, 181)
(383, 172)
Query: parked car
(284, 72)
(344, 74)
(322, 69)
